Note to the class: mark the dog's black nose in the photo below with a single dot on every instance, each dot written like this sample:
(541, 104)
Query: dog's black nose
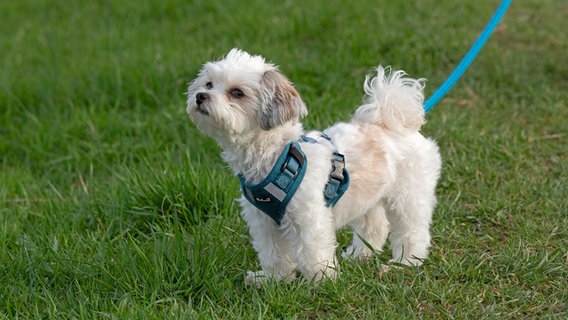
(200, 97)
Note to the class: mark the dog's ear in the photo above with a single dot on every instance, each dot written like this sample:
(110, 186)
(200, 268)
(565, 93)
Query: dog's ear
(280, 102)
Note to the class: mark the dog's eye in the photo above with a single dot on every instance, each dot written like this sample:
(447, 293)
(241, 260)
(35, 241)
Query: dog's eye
(237, 93)
(209, 85)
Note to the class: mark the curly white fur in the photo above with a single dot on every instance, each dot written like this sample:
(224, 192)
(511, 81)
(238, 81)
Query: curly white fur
(253, 111)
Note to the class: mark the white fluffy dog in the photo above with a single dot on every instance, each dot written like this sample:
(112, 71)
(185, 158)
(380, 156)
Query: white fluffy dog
(254, 112)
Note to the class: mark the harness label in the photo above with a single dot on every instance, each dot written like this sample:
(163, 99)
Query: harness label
(263, 199)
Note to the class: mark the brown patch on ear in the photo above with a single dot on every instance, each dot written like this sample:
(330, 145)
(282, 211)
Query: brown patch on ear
(280, 102)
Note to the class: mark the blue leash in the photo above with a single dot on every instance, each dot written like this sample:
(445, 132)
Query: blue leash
(466, 61)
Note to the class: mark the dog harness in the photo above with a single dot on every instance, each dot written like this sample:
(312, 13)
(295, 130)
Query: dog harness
(273, 194)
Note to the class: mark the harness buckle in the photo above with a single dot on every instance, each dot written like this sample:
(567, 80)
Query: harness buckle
(297, 154)
(337, 166)
(294, 164)
(285, 166)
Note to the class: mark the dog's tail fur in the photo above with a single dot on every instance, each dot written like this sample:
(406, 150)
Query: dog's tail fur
(392, 101)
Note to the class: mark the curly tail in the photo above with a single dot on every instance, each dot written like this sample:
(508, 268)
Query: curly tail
(392, 101)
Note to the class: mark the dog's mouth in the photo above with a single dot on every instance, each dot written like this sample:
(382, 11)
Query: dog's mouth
(201, 110)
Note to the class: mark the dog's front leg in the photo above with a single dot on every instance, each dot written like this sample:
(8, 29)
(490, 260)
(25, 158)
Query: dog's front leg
(313, 242)
(273, 251)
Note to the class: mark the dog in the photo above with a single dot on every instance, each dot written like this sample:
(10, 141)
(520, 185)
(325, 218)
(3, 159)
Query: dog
(253, 112)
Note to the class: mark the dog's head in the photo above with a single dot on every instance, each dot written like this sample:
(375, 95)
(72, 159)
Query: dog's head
(240, 94)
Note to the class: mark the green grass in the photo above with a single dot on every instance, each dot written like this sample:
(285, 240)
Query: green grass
(112, 205)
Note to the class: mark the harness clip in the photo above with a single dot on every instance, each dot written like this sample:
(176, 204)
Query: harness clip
(338, 165)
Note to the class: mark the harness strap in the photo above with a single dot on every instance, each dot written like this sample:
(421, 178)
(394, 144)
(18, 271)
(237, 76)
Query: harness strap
(338, 180)
(273, 194)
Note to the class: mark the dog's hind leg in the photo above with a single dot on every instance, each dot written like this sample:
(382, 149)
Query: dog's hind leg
(411, 206)
(410, 235)
(370, 230)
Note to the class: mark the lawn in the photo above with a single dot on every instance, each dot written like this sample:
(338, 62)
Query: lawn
(112, 205)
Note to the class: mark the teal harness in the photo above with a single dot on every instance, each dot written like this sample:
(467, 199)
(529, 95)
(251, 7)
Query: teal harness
(273, 194)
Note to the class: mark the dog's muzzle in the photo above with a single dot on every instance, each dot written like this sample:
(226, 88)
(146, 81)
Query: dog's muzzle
(199, 99)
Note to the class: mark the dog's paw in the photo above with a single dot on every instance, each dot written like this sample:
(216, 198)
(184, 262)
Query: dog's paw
(395, 264)
(257, 279)
(356, 253)
(391, 265)
(408, 262)
(385, 268)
